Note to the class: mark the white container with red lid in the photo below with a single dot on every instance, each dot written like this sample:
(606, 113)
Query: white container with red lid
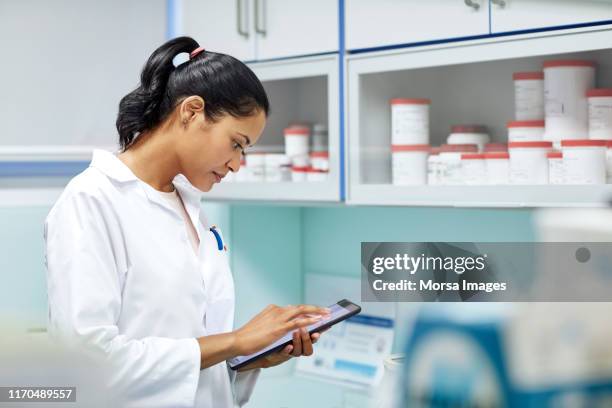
(409, 164)
(566, 83)
(528, 162)
(556, 170)
(320, 160)
(528, 95)
(497, 164)
(600, 113)
(409, 121)
(473, 168)
(449, 162)
(525, 130)
(297, 139)
(584, 161)
(469, 134)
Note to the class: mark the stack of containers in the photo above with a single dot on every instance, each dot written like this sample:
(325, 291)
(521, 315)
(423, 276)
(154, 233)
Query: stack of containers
(297, 141)
(319, 156)
(319, 165)
(527, 161)
(553, 109)
(409, 140)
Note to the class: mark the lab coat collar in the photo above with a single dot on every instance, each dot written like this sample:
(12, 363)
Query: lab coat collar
(108, 163)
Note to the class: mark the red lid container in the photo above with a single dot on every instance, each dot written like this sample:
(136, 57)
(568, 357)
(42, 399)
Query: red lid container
(459, 148)
(410, 101)
(584, 143)
(521, 76)
(410, 148)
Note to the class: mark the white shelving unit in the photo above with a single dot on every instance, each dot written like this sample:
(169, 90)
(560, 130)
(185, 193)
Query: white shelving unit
(304, 89)
(468, 83)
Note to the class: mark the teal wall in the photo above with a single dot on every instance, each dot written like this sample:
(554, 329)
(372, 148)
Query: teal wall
(23, 291)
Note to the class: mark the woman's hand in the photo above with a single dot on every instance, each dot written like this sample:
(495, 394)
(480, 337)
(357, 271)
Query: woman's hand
(273, 323)
(301, 346)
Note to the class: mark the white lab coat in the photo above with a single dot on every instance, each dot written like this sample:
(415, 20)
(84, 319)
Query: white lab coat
(123, 278)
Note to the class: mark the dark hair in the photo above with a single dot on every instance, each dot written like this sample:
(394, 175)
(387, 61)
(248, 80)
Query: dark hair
(226, 84)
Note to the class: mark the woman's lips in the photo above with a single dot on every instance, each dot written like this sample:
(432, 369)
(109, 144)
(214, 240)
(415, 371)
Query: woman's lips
(217, 177)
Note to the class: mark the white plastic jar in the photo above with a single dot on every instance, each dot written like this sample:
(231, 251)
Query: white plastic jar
(449, 162)
(255, 164)
(528, 162)
(409, 164)
(525, 130)
(273, 166)
(319, 137)
(566, 83)
(302, 160)
(320, 160)
(433, 170)
(528, 95)
(299, 173)
(556, 171)
(409, 121)
(600, 113)
(296, 140)
(469, 134)
(497, 164)
(584, 161)
(473, 168)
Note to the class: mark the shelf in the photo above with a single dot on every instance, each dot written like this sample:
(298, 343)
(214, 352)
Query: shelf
(306, 90)
(467, 83)
(484, 196)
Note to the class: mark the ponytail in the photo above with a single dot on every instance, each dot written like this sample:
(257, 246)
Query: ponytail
(225, 84)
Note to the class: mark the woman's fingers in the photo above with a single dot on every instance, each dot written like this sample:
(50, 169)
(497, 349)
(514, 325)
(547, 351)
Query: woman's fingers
(287, 350)
(294, 311)
(297, 344)
(298, 323)
(315, 337)
(306, 342)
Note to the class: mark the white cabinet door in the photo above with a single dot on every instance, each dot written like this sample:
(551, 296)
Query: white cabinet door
(513, 15)
(389, 22)
(222, 26)
(287, 28)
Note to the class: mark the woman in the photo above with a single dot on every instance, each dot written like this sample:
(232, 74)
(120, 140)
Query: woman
(135, 272)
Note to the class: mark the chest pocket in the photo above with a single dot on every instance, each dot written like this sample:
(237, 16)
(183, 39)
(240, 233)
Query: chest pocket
(218, 284)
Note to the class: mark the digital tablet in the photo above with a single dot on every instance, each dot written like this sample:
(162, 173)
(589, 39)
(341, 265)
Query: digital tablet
(338, 312)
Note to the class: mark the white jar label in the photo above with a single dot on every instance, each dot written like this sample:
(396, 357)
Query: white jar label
(529, 100)
(410, 124)
(600, 116)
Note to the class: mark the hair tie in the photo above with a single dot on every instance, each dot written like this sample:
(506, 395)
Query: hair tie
(195, 52)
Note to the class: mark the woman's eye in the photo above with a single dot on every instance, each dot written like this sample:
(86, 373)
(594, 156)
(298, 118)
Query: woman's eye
(239, 146)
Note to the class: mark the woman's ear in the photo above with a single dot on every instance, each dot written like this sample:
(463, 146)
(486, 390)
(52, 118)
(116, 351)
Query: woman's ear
(190, 108)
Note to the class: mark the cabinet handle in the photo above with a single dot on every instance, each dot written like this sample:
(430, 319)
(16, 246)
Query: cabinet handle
(472, 4)
(260, 30)
(500, 3)
(243, 33)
